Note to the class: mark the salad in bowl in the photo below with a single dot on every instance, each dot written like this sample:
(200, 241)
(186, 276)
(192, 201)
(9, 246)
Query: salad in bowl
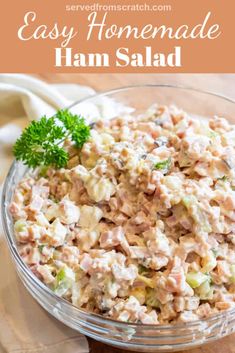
(131, 218)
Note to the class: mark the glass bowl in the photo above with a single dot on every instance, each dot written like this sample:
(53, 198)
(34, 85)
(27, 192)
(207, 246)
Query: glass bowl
(137, 337)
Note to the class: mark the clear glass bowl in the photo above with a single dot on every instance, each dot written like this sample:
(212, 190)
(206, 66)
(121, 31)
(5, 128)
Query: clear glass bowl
(137, 337)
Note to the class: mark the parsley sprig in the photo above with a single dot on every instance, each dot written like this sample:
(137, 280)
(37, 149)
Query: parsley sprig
(41, 143)
(164, 166)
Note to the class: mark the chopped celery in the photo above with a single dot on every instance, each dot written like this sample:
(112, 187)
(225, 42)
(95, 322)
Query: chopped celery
(40, 248)
(64, 279)
(215, 252)
(20, 226)
(147, 281)
(195, 211)
(224, 178)
(212, 134)
(62, 288)
(60, 275)
(164, 166)
(195, 279)
(209, 263)
(139, 293)
(69, 274)
(143, 270)
(151, 299)
(205, 291)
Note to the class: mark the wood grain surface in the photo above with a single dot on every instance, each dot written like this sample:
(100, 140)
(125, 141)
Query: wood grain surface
(220, 83)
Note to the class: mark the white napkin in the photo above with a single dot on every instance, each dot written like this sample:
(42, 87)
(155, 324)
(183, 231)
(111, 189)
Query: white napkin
(24, 98)
(24, 326)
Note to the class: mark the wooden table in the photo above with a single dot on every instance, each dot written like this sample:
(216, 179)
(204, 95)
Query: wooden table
(220, 83)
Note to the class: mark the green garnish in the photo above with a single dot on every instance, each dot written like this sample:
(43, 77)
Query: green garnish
(43, 171)
(215, 252)
(60, 275)
(163, 165)
(76, 126)
(63, 280)
(142, 270)
(195, 279)
(41, 143)
(40, 248)
(224, 178)
(213, 134)
(151, 299)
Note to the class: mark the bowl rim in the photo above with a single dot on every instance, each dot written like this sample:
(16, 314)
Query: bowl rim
(160, 85)
(98, 318)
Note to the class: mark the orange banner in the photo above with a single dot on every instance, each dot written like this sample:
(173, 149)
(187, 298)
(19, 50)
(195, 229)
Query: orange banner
(117, 36)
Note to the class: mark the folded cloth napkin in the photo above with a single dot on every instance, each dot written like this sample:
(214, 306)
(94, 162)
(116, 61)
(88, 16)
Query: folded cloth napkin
(24, 98)
(24, 326)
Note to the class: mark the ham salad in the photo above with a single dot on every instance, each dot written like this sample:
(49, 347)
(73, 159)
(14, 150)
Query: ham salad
(140, 225)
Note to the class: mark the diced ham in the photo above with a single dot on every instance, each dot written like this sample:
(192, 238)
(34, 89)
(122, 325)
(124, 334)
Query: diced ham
(70, 255)
(139, 252)
(86, 263)
(57, 233)
(36, 203)
(187, 316)
(204, 310)
(176, 280)
(45, 272)
(40, 190)
(113, 238)
(150, 318)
